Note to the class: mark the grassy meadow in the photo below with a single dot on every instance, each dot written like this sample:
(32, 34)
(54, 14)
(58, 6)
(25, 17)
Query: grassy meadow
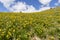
(30, 26)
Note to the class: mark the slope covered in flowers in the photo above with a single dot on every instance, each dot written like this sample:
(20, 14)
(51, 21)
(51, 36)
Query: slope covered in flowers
(25, 26)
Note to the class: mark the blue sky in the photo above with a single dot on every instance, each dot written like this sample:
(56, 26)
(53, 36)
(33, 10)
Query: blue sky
(2, 8)
(27, 5)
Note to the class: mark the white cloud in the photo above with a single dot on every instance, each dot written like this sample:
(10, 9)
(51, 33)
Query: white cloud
(19, 6)
(22, 6)
(44, 8)
(44, 2)
(27, 8)
(7, 3)
(58, 1)
(30, 9)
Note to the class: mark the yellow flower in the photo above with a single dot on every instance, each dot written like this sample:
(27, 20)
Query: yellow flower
(2, 34)
(19, 35)
(31, 18)
(9, 29)
(52, 37)
(0, 30)
(9, 33)
(17, 39)
(7, 36)
(24, 25)
(25, 21)
(14, 30)
(29, 33)
(30, 22)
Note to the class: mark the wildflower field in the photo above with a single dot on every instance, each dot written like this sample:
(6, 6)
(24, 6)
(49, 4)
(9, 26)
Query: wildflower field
(25, 26)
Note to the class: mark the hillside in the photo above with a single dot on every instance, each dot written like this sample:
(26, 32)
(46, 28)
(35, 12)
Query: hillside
(43, 25)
